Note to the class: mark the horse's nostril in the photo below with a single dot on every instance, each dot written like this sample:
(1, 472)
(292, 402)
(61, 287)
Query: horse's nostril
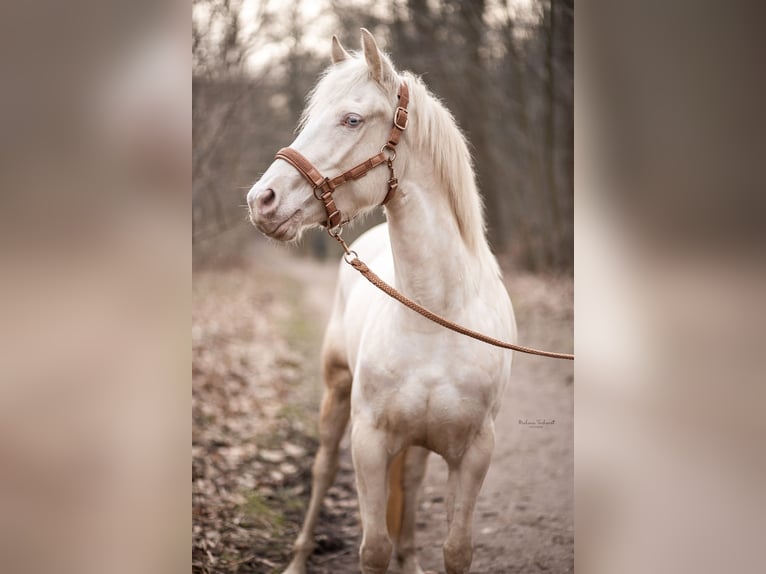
(266, 198)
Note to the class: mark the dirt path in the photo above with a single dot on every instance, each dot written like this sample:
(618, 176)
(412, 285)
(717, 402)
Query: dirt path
(524, 517)
(256, 335)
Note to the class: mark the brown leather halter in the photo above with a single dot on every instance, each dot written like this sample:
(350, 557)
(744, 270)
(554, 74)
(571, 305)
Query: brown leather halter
(324, 187)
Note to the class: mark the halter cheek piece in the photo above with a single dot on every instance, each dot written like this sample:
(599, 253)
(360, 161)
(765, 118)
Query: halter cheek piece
(324, 187)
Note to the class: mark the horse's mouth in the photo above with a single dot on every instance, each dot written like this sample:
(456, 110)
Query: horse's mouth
(282, 231)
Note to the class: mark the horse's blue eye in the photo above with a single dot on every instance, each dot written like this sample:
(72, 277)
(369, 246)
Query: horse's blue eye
(352, 120)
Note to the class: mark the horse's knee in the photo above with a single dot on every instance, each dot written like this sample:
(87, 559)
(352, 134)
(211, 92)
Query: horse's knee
(458, 555)
(375, 554)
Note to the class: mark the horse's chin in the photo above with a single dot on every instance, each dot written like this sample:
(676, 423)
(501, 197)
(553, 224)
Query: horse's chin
(286, 230)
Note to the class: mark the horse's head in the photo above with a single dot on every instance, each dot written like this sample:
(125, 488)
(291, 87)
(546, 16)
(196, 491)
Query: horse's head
(348, 118)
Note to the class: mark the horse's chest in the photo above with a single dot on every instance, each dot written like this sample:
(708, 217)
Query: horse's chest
(434, 390)
(395, 347)
(406, 359)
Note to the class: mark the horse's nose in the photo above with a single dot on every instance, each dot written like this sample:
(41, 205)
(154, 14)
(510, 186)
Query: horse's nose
(263, 202)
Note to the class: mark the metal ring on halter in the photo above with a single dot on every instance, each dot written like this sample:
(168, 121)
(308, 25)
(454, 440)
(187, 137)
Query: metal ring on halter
(392, 149)
(336, 231)
(348, 254)
(321, 187)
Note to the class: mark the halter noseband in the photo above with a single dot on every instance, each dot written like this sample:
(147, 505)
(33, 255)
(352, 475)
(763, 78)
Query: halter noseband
(324, 187)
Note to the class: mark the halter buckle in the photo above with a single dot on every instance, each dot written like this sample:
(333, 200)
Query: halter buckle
(402, 126)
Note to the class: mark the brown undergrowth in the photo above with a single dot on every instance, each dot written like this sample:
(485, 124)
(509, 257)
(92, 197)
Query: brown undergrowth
(254, 410)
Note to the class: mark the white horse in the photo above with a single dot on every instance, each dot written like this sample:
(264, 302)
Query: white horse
(416, 386)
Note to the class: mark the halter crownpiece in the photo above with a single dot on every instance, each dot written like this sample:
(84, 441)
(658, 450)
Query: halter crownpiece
(324, 187)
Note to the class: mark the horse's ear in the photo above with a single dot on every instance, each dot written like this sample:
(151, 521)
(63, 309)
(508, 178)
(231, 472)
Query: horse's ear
(338, 51)
(379, 66)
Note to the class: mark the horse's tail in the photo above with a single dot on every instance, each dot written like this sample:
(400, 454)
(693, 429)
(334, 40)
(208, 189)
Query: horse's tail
(395, 495)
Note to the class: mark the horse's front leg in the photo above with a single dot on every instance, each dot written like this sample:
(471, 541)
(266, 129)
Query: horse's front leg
(333, 418)
(465, 480)
(371, 463)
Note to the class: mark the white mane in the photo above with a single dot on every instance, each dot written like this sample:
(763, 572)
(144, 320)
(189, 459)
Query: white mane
(432, 131)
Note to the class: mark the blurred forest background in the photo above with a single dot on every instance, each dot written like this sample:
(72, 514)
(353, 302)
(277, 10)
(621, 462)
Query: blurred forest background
(505, 69)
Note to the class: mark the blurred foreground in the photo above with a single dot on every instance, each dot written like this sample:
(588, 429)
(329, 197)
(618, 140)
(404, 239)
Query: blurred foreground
(94, 298)
(671, 318)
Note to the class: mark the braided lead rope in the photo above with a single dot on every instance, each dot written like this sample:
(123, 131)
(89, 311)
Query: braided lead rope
(368, 274)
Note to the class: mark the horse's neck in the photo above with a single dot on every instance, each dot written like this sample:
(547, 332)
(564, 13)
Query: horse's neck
(432, 263)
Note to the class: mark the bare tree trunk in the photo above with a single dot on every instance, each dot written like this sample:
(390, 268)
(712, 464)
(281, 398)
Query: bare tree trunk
(566, 139)
(534, 252)
(474, 105)
(554, 245)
